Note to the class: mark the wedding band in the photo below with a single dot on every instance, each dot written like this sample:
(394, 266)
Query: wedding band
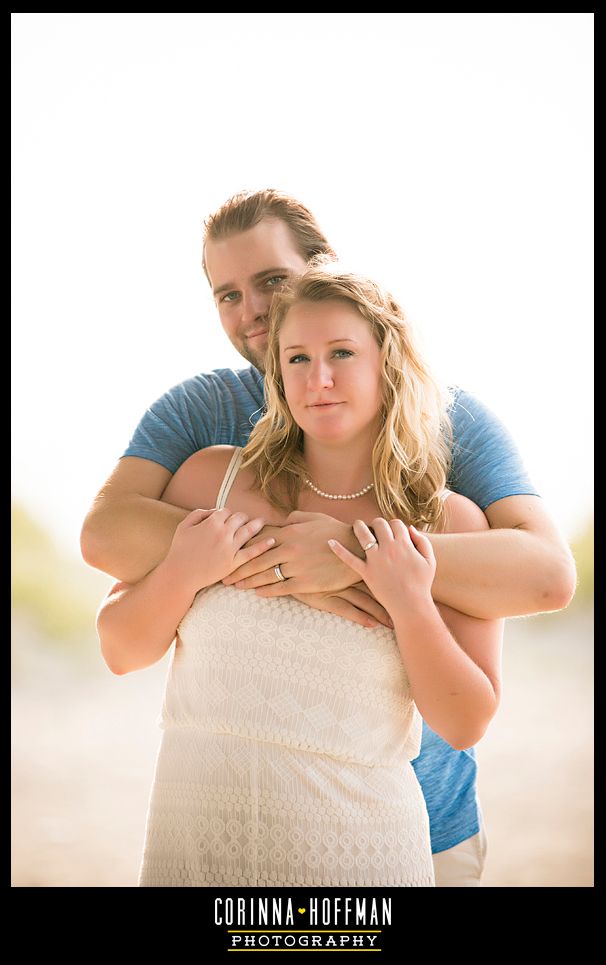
(370, 545)
(279, 573)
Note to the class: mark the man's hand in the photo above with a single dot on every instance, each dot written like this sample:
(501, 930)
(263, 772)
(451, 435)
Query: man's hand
(355, 604)
(304, 557)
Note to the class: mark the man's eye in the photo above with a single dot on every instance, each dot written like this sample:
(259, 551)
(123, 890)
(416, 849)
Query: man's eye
(274, 280)
(229, 297)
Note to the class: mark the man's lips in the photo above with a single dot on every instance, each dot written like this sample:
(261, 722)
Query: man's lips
(257, 334)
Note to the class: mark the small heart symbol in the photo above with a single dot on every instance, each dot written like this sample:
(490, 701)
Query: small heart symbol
(301, 910)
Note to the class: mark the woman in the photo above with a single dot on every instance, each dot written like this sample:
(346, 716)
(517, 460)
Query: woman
(288, 732)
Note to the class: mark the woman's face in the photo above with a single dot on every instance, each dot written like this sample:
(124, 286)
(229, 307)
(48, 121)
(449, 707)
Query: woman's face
(331, 371)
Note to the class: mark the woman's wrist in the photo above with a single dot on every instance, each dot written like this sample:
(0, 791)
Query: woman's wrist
(176, 579)
(413, 611)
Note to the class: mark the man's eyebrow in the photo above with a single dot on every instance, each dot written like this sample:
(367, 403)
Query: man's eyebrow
(229, 286)
(332, 341)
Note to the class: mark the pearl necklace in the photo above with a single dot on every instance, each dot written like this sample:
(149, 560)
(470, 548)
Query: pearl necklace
(362, 492)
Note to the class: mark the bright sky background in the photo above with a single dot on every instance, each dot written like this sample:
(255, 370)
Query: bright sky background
(451, 155)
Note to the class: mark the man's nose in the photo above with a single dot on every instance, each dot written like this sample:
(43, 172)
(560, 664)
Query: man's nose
(254, 305)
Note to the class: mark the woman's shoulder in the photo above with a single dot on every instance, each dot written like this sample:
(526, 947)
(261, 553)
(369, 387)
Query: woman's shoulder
(197, 481)
(462, 515)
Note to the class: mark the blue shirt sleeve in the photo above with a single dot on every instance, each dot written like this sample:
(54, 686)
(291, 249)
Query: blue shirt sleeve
(214, 408)
(486, 463)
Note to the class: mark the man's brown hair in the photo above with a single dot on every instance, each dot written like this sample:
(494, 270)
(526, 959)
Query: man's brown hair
(247, 208)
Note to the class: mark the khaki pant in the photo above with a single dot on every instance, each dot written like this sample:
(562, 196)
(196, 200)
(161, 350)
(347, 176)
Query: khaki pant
(461, 866)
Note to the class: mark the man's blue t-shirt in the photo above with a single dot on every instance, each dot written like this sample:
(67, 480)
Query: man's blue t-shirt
(221, 407)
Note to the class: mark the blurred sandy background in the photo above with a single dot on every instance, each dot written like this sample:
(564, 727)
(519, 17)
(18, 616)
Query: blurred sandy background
(84, 741)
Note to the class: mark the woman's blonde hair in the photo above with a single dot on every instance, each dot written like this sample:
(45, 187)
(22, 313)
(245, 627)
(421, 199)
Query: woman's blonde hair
(412, 454)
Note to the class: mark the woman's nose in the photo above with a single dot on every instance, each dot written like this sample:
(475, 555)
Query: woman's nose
(320, 376)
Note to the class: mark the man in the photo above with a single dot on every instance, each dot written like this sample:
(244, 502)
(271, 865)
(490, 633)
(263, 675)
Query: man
(519, 565)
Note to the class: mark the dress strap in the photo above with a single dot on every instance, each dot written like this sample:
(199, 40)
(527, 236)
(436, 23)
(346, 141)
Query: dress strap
(230, 475)
(445, 494)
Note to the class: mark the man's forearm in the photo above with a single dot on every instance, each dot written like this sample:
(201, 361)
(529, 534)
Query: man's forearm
(128, 536)
(501, 573)
(488, 574)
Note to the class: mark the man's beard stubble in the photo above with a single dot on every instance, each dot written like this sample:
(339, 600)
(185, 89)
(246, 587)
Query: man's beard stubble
(255, 358)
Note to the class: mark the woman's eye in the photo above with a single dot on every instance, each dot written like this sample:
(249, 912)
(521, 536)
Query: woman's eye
(338, 353)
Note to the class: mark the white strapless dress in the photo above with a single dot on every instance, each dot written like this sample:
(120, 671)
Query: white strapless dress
(285, 753)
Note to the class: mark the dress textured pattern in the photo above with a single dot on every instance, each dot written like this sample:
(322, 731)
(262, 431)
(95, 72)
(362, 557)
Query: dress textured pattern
(287, 735)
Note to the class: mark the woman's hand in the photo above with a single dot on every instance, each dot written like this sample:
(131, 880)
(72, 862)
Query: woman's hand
(207, 545)
(400, 564)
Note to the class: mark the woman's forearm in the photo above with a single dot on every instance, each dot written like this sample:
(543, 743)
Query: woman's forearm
(501, 573)
(137, 625)
(453, 694)
(127, 536)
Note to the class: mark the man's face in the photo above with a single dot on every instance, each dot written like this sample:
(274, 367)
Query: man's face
(245, 270)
